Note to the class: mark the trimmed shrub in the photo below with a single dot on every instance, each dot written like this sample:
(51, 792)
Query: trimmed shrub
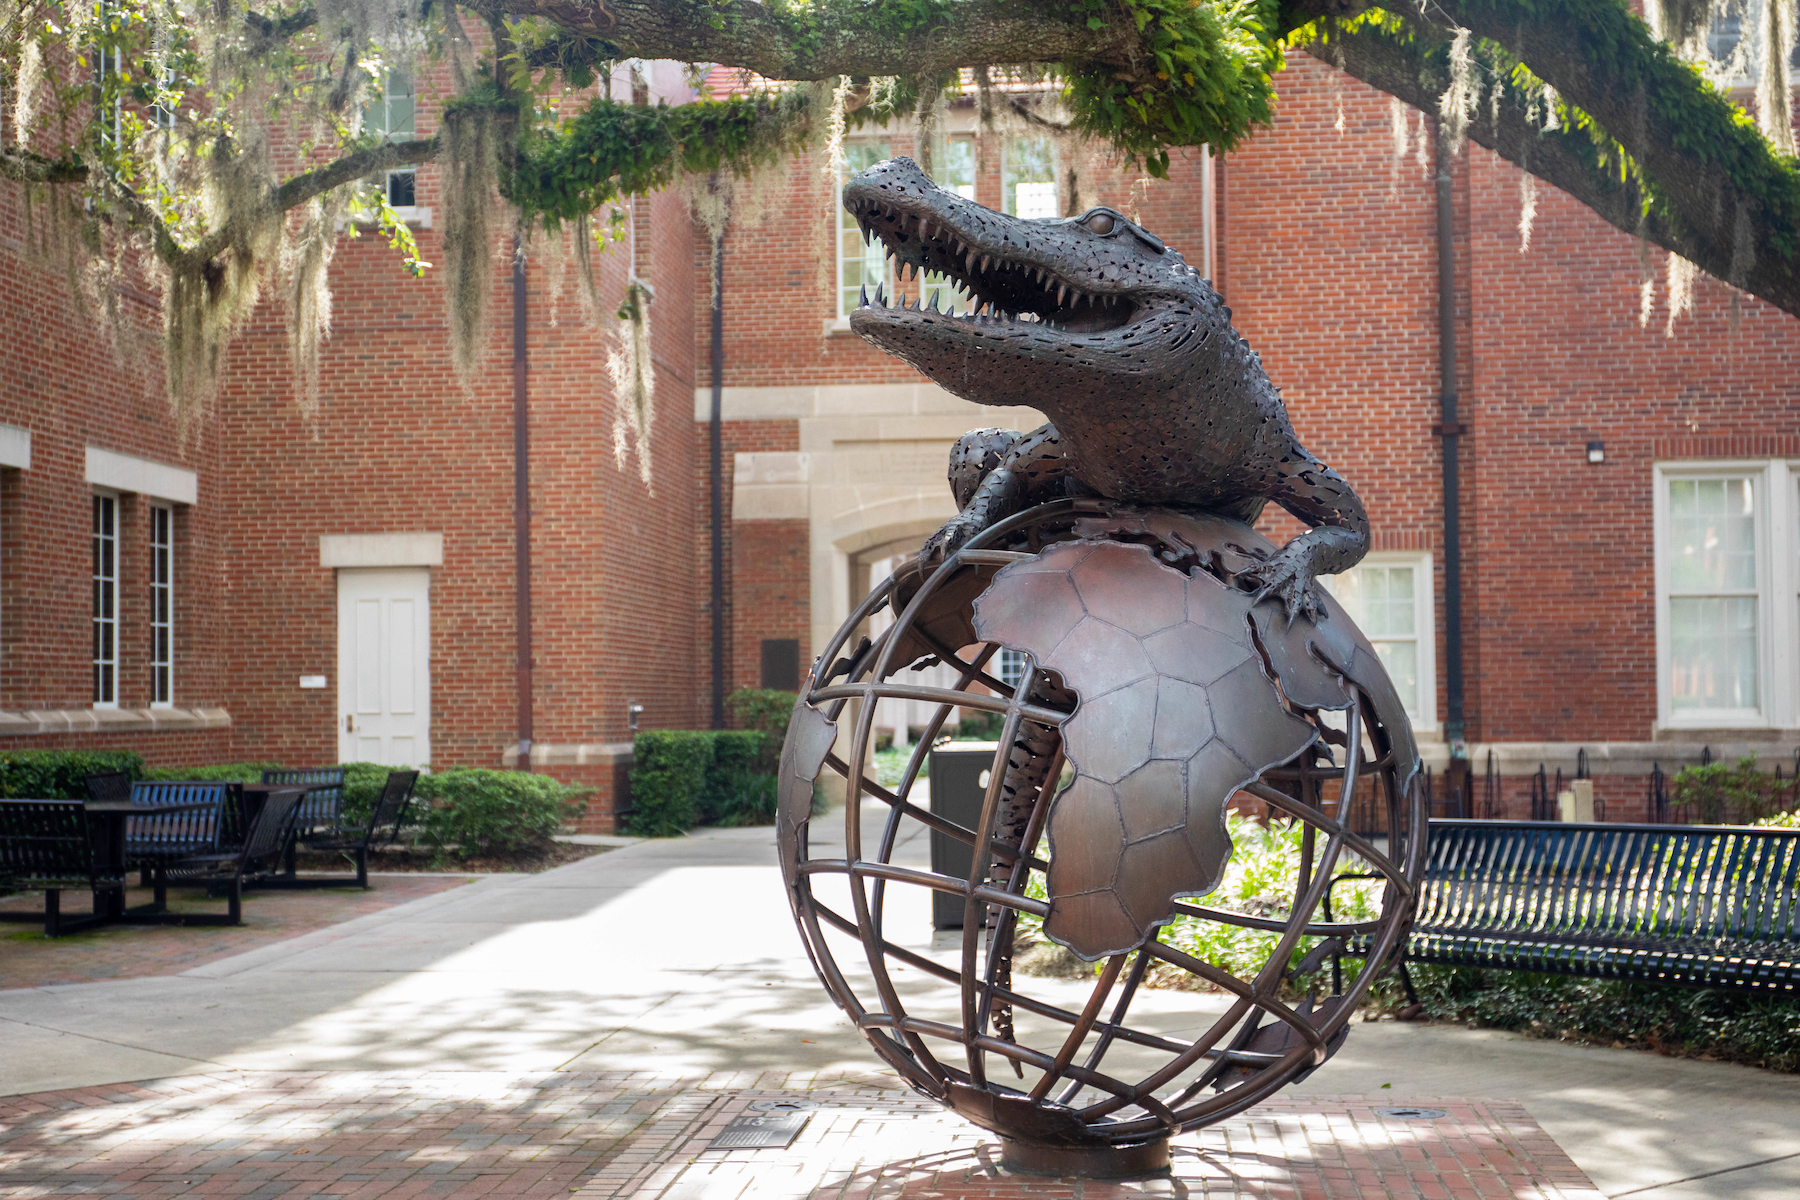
(60, 774)
(363, 782)
(239, 772)
(481, 811)
(765, 710)
(667, 780)
(737, 756)
(747, 797)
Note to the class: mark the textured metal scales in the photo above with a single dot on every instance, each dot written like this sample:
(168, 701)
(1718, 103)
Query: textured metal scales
(1177, 663)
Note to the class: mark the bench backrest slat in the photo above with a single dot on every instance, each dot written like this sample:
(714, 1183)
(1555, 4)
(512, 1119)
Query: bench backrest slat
(323, 806)
(1546, 879)
(194, 831)
(45, 840)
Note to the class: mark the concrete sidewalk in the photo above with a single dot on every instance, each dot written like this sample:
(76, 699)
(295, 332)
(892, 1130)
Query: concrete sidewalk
(680, 957)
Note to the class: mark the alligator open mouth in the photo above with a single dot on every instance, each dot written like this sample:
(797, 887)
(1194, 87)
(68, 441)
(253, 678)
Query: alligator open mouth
(1002, 288)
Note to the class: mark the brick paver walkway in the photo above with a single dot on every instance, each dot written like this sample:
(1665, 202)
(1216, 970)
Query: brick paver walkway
(609, 1137)
(29, 959)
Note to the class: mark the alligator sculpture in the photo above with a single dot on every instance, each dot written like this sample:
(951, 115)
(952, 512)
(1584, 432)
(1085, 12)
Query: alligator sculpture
(1152, 396)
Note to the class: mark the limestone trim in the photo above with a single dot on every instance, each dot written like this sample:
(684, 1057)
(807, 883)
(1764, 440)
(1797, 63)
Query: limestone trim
(381, 550)
(125, 473)
(37, 722)
(15, 447)
(571, 754)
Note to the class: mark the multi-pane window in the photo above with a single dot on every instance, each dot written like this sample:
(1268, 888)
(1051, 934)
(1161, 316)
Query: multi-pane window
(392, 114)
(1010, 667)
(1710, 541)
(1028, 178)
(162, 606)
(106, 601)
(954, 166)
(860, 265)
(1389, 598)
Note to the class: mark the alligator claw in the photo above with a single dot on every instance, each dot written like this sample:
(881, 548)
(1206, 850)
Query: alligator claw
(1286, 579)
(947, 541)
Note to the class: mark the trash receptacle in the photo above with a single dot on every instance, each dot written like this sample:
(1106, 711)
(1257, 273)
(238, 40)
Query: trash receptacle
(959, 782)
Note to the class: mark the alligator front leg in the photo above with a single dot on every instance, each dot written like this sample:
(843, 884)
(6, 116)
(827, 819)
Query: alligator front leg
(1030, 469)
(1337, 541)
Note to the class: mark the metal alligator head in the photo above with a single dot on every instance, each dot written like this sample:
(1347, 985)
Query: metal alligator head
(1083, 303)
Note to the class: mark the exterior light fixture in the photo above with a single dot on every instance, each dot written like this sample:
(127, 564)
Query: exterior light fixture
(632, 709)
(1596, 452)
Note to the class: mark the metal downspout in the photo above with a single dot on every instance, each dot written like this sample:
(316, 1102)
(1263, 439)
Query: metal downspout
(521, 506)
(1450, 430)
(718, 483)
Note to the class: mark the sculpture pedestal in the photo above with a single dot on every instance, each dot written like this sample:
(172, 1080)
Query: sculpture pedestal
(1086, 1162)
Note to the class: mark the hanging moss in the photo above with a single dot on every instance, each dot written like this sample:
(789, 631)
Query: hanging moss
(469, 175)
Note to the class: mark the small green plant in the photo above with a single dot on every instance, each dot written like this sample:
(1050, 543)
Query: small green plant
(1260, 881)
(1723, 793)
(744, 797)
(979, 726)
(668, 780)
(1758, 1030)
(60, 774)
(481, 811)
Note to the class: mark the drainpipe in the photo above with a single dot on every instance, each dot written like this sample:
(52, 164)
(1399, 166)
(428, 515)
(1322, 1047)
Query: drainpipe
(718, 482)
(521, 506)
(1450, 430)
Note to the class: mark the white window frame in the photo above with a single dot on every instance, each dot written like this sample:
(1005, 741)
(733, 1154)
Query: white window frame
(843, 224)
(1008, 193)
(1777, 575)
(949, 297)
(162, 606)
(385, 103)
(1425, 632)
(104, 631)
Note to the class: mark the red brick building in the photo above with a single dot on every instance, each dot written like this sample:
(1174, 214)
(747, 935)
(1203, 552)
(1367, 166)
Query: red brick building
(345, 584)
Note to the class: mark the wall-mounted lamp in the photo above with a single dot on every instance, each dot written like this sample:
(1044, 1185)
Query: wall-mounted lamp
(632, 709)
(1596, 452)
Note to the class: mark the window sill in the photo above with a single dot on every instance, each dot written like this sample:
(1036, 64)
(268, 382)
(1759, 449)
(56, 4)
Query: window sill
(417, 216)
(111, 720)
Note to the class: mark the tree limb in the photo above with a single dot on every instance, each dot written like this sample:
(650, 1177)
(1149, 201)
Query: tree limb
(1719, 196)
(816, 42)
(21, 164)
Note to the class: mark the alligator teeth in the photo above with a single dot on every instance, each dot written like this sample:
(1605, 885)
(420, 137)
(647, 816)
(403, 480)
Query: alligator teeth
(924, 229)
(969, 262)
(880, 296)
(1061, 290)
(863, 302)
(984, 263)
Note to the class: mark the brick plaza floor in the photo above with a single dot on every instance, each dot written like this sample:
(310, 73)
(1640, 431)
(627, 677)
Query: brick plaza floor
(446, 1133)
(29, 959)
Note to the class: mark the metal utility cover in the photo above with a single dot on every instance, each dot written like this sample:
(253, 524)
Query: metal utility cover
(773, 1127)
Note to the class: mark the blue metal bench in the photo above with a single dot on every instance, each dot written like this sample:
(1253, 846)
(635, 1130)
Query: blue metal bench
(224, 869)
(384, 825)
(324, 803)
(53, 846)
(1701, 905)
(183, 830)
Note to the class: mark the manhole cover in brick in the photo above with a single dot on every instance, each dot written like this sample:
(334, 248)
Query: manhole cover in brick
(769, 1125)
(1412, 1114)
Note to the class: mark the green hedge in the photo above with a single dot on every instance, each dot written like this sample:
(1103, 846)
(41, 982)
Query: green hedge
(60, 774)
(740, 782)
(763, 709)
(480, 811)
(667, 779)
(241, 772)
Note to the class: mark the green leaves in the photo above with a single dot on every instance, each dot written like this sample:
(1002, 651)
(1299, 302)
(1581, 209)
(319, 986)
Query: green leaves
(1208, 78)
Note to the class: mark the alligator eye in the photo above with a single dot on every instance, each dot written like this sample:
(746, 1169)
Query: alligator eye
(1100, 223)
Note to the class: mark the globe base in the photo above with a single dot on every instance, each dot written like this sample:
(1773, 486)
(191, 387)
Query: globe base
(1137, 1161)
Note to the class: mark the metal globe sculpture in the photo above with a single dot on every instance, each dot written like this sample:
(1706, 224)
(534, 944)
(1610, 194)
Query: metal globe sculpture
(1156, 693)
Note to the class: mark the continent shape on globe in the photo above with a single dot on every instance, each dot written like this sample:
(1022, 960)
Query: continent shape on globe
(1176, 713)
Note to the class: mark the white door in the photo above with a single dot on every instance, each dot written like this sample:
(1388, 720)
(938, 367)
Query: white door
(384, 667)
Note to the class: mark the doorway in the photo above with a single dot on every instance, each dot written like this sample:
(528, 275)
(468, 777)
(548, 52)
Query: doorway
(384, 667)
